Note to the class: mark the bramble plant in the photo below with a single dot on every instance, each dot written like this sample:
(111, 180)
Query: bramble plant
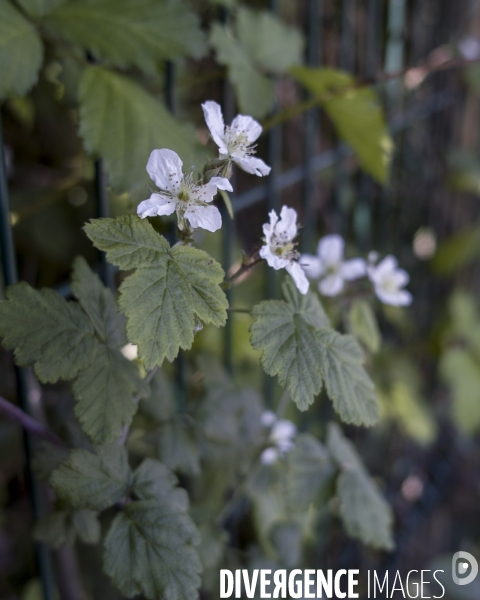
(116, 479)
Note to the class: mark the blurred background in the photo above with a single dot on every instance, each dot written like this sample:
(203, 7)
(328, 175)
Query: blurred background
(425, 454)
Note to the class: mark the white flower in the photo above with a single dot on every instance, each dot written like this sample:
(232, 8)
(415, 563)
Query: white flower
(281, 437)
(330, 266)
(180, 193)
(236, 141)
(388, 281)
(279, 249)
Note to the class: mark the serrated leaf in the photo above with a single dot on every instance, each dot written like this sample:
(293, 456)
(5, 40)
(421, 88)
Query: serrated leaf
(348, 385)
(152, 480)
(286, 334)
(122, 123)
(310, 472)
(286, 538)
(99, 304)
(149, 550)
(364, 512)
(155, 30)
(178, 447)
(169, 290)
(105, 394)
(94, 481)
(39, 8)
(46, 459)
(271, 44)
(364, 325)
(62, 528)
(21, 52)
(46, 331)
(255, 91)
(356, 113)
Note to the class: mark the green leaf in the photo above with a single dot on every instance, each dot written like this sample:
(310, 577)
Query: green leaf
(461, 372)
(160, 404)
(46, 331)
(152, 480)
(270, 43)
(170, 290)
(39, 8)
(348, 385)
(178, 447)
(149, 550)
(286, 334)
(356, 114)
(122, 123)
(46, 459)
(156, 30)
(21, 52)
(457, 250)
(94, 481)
(364, 325)
(310, 472)
(364, 512)
(62, 528)
(255, 91)
(286, 538)
(99, 304)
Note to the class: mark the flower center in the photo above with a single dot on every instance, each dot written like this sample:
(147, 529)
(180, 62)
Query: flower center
(390, 285)
(237, 141)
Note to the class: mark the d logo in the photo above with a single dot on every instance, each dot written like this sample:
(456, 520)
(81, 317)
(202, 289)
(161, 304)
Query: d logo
(460, 563)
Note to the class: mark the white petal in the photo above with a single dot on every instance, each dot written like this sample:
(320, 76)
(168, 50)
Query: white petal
(156, 205)
(312, 265)
(207, 192)
(353, 269)
(285, 446)
(331, 285)
(298, 276)
(396, 298)
(222, 183)
(268, 456)
(384, 268)
(214, 120)
(282, 430)
(401, 277)
(268, 228)
(243, 124)
(273, 260)
(330, 249)
(268, 418)
(206, 217)
(288, 223)
(253, 165)
(165, 169)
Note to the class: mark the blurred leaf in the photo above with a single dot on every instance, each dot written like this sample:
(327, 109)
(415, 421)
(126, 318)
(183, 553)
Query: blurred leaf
(62, 528)
(21, 52)
(171, 288)
(363, 510)
(39, 8)
(46, 459)
(227, 201)
(152, 480)
(462, 373)
(464, 172)
(286, 538)
(310, 472)
(255, 91)
(466, 319)
(270, 43)
(47, 331)
(356, 113)
(94, 481)
(364, 325)
(348, 385)
(285, 334)
(457, 250)
(178, 447)
(160, 404)
(123, 123)
(149, 550)
(156, 30)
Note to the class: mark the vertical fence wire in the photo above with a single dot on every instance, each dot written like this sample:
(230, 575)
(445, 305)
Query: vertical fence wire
(10, 277)
(107, 273)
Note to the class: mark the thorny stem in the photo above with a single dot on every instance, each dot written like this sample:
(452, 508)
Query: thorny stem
(252, 260)
(27, 422)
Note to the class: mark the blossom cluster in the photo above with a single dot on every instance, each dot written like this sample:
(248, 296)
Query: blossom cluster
(280, 437)
(192, 199)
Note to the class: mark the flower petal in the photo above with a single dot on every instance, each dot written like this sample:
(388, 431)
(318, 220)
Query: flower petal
(282, 430)
(384, 268)
(222, 183)
(331, 285)
(400, 277)
(214, 120)
(395, 298)
(353, 269)
(165, 169)
(268, 228)
(298, 276)
(312, 265)
(288, 223)
(247, 126)
(156, 205)
(253, 165)
(274, 261)
(206, 217)
(330, 249)
(268, 456)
